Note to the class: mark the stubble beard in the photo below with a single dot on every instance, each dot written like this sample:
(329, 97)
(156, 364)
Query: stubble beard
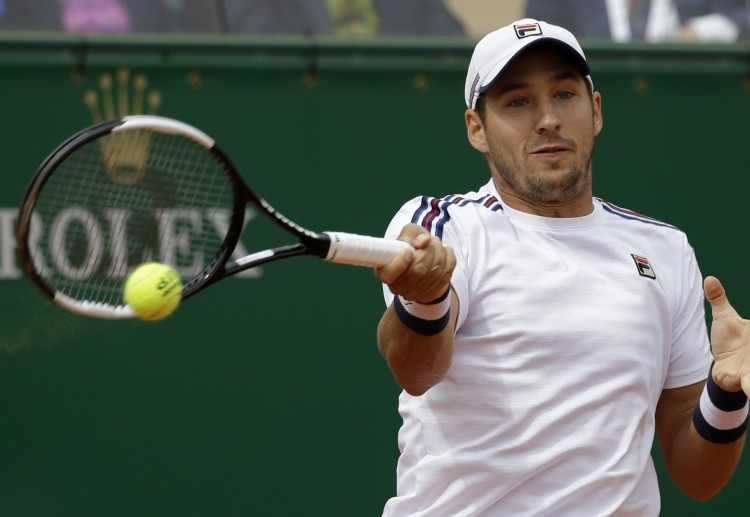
(543, 187)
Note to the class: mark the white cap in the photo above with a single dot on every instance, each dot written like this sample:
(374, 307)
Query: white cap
(497, 49)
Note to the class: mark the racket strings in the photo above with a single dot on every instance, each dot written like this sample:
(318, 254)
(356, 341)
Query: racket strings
(124, 199)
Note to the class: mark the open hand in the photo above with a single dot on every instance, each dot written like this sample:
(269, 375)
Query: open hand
(730, 340)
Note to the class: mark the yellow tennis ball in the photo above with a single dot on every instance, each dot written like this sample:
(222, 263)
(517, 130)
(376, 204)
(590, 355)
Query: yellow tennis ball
(153, 290)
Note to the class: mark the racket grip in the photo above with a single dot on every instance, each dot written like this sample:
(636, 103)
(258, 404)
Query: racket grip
(361, 250)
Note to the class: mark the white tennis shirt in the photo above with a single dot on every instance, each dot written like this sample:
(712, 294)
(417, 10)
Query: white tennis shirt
(568, 331)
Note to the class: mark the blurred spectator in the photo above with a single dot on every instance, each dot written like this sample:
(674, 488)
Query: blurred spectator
(720, 21)
(350, 18)
(416, 18)
(480, 17)
(353, 18)
(308, 17)
(84, 16)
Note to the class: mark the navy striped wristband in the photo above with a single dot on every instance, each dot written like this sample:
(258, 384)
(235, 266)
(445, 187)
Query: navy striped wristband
(424, 318)
(720, 416)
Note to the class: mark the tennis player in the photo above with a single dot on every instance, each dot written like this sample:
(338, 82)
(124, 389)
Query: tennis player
(543, 336)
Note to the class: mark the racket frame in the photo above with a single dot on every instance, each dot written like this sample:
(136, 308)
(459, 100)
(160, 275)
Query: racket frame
(331, 246)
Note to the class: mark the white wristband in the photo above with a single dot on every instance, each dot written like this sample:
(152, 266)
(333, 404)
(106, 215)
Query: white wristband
(427, 311)
(720, 416)
(720, 419)
(424, 318)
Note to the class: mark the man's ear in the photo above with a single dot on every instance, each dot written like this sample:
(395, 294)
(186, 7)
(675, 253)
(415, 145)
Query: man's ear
(598, 117)
(475, 131)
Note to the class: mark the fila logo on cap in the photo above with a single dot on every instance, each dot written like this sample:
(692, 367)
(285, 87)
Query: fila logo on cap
(644, 268)
(528, 29)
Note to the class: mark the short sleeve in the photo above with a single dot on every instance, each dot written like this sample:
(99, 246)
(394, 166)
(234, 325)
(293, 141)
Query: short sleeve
(690, 355)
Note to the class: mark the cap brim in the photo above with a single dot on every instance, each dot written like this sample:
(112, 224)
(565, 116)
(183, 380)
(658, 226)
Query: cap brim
(566, 49)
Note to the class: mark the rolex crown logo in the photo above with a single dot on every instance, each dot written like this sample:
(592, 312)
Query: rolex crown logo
(125, 154)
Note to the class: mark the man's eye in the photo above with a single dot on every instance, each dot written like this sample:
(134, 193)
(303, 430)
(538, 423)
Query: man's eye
(565, 95)
(517, 103)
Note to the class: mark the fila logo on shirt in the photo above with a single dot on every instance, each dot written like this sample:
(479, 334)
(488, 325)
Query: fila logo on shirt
(527, 29)
(643, 266)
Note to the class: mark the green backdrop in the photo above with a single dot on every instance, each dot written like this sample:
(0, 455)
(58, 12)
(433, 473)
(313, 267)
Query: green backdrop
(266, 395)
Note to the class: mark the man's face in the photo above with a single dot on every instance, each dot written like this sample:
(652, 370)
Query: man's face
(538, 132)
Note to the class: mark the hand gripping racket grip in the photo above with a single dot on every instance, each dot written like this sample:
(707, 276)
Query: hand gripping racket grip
(361, 250)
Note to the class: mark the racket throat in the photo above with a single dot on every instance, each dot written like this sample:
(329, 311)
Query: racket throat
(319, 245)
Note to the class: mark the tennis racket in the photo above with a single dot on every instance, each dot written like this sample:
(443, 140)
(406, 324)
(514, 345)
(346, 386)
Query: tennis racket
(147, 188)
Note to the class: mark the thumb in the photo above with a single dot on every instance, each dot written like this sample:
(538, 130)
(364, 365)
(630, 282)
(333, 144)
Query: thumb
(716, 295)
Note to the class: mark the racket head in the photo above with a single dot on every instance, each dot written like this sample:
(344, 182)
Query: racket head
(124, 192)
